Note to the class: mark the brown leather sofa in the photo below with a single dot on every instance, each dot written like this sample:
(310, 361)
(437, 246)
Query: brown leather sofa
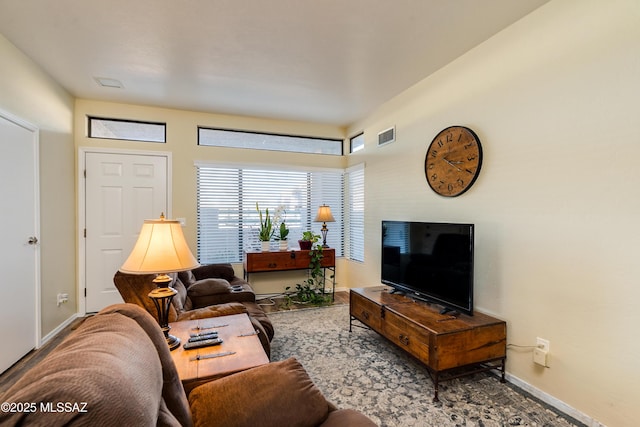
(116, 369)
(207, 291)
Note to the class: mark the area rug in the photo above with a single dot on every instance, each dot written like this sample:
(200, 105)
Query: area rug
(363, 371)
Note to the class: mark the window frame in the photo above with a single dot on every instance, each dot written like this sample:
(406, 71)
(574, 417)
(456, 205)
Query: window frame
(337, 141)
(353, 139)
(90, 127)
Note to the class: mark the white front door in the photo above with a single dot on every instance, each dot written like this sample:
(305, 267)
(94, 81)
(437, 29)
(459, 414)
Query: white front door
(121, 191)
(19, 251)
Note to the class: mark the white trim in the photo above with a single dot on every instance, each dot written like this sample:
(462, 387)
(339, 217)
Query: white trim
(36, 141)
(82, 152)
(58, 329)
(554, 402)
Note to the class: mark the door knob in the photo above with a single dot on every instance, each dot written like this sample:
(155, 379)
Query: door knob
(32, 240)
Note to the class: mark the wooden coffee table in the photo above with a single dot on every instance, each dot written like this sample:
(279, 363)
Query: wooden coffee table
(241, 349)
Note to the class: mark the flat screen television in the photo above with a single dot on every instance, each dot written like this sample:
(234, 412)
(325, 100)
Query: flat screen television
(430, 261)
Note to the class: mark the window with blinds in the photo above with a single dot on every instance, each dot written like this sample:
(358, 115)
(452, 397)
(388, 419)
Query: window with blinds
(354, 220)
(228, 221)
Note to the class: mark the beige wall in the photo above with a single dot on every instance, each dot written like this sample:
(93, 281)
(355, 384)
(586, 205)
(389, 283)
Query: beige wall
(28, 93)
(182, 143)
(554, 100)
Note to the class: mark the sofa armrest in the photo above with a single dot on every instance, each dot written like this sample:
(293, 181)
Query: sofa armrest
(273, 395)
(212, 311)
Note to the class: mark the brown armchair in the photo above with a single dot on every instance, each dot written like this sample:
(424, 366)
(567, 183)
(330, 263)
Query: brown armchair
(201, 303)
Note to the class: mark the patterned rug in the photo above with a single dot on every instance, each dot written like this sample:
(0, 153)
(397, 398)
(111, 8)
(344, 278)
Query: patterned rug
(363, 371)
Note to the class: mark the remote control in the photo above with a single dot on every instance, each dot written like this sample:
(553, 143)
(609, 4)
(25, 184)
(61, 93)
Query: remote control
(203, 337)
(203, 343)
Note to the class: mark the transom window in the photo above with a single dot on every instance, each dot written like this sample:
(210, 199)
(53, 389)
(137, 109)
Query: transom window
(267, 141)
(129, 130)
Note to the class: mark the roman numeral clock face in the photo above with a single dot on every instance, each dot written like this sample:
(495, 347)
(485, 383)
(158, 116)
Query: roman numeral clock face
(453, 161)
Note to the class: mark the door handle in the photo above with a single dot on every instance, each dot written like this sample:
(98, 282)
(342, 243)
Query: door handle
(33, 240)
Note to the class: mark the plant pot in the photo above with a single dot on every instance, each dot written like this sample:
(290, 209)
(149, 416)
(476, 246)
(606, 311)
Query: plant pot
(265, 246)
(284, 245)
(305, 245)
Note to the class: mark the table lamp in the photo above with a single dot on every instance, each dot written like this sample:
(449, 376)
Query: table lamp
(161, 248)
(324, 215)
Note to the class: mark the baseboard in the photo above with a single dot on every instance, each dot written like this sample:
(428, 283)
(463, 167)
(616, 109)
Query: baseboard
(57, 330)
(554, 402)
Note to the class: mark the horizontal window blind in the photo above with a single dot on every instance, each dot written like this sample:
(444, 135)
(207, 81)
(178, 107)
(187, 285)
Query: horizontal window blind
(354, 189)
(228, 221)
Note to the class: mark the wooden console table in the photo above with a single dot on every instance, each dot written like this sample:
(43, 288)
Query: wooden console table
(454, 346)
(261, 262)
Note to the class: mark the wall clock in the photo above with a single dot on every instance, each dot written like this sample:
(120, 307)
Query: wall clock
(453, 161)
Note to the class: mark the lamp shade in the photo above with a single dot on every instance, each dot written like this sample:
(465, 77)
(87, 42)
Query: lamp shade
(324, 214)
(161, 248)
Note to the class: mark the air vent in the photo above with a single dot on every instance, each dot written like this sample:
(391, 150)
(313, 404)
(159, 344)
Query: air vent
(387, 136)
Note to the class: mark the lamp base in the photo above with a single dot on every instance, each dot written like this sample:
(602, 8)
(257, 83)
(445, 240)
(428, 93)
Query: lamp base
(324, 232)
(162, 297)
(172, 341)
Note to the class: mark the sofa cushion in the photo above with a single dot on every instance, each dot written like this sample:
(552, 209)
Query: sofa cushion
(222, 271)
(181, 302)
(274, 395)
(109, 363)
(210, 286)
(187, 278)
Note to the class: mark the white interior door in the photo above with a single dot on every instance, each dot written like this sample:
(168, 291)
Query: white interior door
(121, 191)
(19, 251)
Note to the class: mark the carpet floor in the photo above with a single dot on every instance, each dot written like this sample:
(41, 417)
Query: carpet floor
(363, 371)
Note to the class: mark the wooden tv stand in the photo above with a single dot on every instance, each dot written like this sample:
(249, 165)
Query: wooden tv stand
(453, 346)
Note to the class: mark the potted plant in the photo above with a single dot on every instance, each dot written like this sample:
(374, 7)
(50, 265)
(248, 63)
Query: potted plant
(283, 232)
(266, 228)
(312, 291)
(308, 239)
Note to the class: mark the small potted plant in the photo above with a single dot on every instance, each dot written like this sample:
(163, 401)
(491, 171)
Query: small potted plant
(266, 229)
(308, 239)
(283, 232)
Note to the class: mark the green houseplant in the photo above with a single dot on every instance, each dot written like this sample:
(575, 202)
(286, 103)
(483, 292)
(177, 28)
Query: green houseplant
(311, 291)
(308, 240)
(266, 228)
(283, 233)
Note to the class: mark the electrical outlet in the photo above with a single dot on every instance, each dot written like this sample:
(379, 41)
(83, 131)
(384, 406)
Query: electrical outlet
(540, 357)
(62, 298)
(541, 352)
(543, 344)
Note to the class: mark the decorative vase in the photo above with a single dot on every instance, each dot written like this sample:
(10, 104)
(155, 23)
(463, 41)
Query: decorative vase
(265, 245)
(305, 245)
(284, 245)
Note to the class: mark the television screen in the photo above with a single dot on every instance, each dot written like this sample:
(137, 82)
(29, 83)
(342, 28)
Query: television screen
(430, 261)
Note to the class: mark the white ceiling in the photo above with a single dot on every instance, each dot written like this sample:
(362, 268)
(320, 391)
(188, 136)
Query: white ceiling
(324, 61)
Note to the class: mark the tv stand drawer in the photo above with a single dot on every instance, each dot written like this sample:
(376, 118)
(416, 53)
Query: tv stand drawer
(407, 335)
(366, 311)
